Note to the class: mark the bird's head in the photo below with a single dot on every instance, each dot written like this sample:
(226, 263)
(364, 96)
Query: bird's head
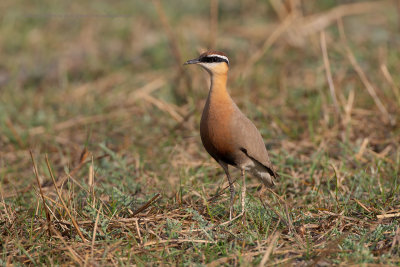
(212, 61)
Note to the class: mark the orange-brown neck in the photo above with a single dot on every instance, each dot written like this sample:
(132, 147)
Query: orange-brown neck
(218, 91)
(215, 122)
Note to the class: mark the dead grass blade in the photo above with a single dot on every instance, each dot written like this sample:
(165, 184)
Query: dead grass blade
(151, 243)
(306, 26)
(5, 207)
(145, 94)
(363, 147)
(41, 193)
(330, 247)
(138, 232)
(396, 238)
(363, 77)
(279, 8)
(147, 89)
(288, 220)
(78, 121)
(398, 13)
(173, 43)
(389, 79)
(95, 230)
(62, 201)
(213, 23)
(270, 247)
(328, 73)
(91, 178)
(164, 107)
(390, 215)
(170, 33)
(257, 55)
(61, 181)
(133, 97)
(15, 133)
(148, 203)
(274, 211)
(318, 22)
(348, 107)
(74, 255)
(362, 205)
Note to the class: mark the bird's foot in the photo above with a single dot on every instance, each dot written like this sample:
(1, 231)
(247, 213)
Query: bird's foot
(232, 219)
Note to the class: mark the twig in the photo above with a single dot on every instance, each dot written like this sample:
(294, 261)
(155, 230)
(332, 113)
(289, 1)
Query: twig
(62, 201)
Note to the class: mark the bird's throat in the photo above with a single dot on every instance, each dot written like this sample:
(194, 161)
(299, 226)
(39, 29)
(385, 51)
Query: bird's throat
(218, 91)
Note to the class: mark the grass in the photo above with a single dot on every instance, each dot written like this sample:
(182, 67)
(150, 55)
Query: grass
(100, 91)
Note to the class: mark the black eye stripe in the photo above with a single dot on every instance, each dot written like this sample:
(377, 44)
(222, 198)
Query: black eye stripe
(213, 60)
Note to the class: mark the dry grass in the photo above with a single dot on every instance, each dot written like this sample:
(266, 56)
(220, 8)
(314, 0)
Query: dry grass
(117, 173)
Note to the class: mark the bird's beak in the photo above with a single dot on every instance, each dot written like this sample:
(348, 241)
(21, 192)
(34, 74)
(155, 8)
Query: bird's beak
(192, 61)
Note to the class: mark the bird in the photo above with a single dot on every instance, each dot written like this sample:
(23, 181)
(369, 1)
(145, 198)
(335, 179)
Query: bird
(227, 134)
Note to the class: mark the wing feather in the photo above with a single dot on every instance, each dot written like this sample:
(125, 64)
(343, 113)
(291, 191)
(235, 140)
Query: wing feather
(250, 142)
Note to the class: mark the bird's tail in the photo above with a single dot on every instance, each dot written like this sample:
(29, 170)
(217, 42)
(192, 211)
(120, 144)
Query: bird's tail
(264, 176)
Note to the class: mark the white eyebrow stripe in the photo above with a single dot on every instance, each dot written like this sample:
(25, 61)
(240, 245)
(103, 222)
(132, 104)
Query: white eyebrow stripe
(216, 55)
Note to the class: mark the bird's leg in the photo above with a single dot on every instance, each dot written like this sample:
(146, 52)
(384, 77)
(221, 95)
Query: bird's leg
(243, 201)
(243, 191)
(232, 198)
(231, 189)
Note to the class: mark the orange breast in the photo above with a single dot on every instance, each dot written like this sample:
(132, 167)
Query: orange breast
(215, 126)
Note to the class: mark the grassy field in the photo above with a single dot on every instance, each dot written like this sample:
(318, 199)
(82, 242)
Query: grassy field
(97, 92)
